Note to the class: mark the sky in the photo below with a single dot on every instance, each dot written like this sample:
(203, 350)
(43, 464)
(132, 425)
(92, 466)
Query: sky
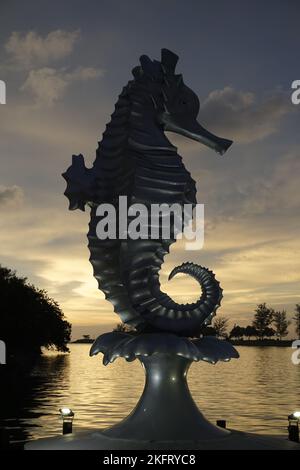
(64, 65)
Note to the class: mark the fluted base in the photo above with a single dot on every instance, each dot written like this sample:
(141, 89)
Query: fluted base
(166, 409)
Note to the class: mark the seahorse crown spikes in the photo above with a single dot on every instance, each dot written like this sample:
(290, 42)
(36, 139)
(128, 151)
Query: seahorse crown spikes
(165, 83)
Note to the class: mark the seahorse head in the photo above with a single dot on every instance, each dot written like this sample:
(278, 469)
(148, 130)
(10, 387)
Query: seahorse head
(174, 105)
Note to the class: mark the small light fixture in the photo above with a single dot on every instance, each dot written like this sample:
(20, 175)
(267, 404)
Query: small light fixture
(67, 416)
(293, 428)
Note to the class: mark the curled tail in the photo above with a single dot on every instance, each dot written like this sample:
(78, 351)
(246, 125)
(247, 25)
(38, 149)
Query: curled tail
(157, 308)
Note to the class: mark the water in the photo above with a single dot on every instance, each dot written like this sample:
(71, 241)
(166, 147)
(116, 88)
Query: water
(254, 393)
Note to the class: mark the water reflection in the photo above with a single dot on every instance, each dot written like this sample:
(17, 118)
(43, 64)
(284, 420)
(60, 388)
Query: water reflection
(254, 393)
(23, 394)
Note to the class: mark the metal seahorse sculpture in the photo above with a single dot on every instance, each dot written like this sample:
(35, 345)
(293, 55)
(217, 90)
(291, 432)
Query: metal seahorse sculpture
(137, 162)
(135, 159)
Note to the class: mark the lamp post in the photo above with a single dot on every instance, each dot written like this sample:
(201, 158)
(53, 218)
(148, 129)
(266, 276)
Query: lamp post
(293, 427)
(67, 416)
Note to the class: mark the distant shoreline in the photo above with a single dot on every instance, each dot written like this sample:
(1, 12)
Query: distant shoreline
(82, 341)
(285, 343)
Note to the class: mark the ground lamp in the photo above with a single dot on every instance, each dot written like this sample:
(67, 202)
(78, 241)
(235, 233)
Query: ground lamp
(293, 427)
(67, 416)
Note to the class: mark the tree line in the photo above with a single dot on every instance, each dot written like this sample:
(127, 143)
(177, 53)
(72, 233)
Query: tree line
(29, 318)
(267, 323)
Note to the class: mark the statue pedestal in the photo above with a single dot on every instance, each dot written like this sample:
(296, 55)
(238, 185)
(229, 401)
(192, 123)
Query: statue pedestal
(96, 440)
(166, 416)
(166, 409)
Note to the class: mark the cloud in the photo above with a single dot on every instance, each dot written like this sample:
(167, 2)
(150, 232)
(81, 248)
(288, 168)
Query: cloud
(270, 194)
(254, 259)
(32, 49)
(276, 194)
(34, 54)
(10, 195)
(84, 73)
(64, 290)
(48, 85)
(241, 116)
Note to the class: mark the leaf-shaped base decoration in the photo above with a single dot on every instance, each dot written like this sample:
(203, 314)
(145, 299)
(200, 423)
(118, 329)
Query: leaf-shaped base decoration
(208, 348)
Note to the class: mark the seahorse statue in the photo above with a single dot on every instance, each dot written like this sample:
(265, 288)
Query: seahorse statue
(135, 159)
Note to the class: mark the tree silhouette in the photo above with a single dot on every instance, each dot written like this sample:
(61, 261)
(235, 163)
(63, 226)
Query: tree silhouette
(237, 332)
(269, 332)
(30, 319)
(220, 326)
(262, 320)
(250, 331)
(296, 318)
(123, 328)
(280, 323)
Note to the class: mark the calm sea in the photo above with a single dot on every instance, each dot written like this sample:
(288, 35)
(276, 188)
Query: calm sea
(254, 393)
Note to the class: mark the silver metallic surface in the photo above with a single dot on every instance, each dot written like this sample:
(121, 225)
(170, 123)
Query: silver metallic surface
(166, 409)
(208, 348)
